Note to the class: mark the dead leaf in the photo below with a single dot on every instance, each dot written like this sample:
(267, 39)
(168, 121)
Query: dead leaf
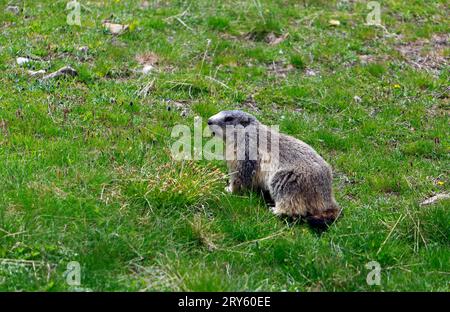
(66, 70)
(4, 126)
(280, 69)
(148, 58)
(334, 22)
(435, 198)
(180, 105)
(366, 59)
(272, 39)
(36, 73)
(145, 5)
(146, 89)
(148, 61)
(115, 29)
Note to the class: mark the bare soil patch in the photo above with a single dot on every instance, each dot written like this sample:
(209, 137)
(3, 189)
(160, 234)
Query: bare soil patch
(426, 54)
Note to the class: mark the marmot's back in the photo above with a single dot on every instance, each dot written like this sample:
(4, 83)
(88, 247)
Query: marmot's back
(294, 152)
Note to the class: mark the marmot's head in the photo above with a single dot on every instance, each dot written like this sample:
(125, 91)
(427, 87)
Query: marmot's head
(224, 120)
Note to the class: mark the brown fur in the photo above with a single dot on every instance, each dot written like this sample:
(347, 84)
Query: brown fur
(299, 180)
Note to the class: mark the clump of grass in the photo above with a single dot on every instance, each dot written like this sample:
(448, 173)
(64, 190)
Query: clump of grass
(376, 69)
(154, 23)
(201, 231)
(84, 74)
(420, 148)
(218, 23)
(263, 28)
(297, 61)
(183, 184)
(387, 184)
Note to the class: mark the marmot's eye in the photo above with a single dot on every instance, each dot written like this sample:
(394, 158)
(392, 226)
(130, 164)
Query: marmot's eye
(228, 119)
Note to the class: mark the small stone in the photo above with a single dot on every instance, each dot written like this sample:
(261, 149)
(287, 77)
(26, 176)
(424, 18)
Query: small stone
(36, 73)
(147, 69)
(13, 9)
(334, 22)
(65, 71)
(83, 49)
(357, 99)
(115, 29)
(310, 73)
(22, 60)
(435, 198)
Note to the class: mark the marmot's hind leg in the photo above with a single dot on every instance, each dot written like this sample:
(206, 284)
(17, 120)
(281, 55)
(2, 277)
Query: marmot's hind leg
(293, 207)
(308, 196)
(286, 190)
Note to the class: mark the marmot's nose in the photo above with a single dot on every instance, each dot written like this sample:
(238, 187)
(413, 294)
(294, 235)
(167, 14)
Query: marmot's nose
(210, 122)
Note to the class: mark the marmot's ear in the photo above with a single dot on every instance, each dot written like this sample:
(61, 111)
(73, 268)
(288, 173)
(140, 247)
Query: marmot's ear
(246, 121)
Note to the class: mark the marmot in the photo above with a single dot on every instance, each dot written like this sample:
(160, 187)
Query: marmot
(297, 178)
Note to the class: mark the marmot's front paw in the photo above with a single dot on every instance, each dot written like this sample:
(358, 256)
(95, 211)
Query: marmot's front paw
(276, 211)
(228, 189)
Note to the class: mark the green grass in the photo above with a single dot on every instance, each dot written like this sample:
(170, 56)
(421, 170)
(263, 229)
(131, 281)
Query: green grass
(86, 174)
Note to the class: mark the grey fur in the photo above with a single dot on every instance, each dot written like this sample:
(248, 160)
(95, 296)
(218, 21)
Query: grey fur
(300, 182)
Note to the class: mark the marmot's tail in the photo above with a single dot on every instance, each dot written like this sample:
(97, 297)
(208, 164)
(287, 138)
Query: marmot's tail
(324, 219)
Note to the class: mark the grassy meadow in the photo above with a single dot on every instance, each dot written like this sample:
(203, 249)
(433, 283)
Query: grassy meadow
(86, 173)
